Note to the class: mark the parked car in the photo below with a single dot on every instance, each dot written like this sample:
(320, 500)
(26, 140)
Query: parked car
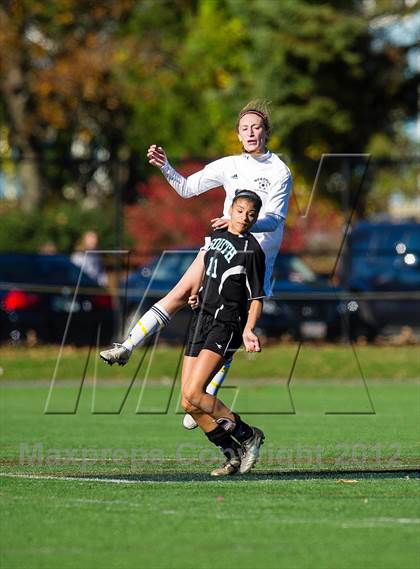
(36, 294)
(303, 305)
(381, 265)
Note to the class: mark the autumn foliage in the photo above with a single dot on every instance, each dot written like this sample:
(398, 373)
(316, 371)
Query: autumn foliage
(164, 220)
(318, 231)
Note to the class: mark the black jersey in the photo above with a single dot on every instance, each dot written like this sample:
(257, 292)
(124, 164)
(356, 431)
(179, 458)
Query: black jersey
(234, 275)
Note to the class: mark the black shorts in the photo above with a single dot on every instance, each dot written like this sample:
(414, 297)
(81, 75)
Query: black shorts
(223, 338)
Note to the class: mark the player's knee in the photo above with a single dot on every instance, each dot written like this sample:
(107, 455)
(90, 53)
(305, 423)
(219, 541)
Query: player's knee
(192, 398)
(188, 406)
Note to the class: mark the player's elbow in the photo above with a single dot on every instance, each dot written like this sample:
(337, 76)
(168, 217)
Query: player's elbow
(274, 221)
(271, 222)
(188, 190)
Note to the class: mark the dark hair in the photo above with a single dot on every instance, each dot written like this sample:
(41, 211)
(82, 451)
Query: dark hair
(250, 196)
(259, 107)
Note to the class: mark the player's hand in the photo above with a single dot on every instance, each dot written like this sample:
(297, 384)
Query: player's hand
(156, 156)
(251, 341)
(193, 301)
(219, 222)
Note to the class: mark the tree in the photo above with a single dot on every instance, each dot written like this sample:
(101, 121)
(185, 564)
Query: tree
(333, 88)
(84, 84)
(57, 93)
(185, 87)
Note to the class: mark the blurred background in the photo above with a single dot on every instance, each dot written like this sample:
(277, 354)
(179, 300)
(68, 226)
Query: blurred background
(86, 87)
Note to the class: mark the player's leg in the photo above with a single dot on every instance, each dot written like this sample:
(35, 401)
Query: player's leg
(205, 365)
(216, 434)
(250, 438)
(212, 388)
(159, 314)
(188, 284)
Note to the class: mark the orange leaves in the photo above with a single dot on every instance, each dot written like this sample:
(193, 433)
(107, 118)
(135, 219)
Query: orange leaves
(53, 113)
(65, 52)
(77, 75)
(65, 18)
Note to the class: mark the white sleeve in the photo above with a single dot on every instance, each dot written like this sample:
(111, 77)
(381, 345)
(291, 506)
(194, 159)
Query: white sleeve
(207, 241)
(211, 176)
(267, 224)
(278, 200)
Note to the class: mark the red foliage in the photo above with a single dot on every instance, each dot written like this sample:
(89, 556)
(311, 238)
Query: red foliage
(319, 230)
(164, 220)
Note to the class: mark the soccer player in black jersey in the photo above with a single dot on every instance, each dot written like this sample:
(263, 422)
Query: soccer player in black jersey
(228, 306)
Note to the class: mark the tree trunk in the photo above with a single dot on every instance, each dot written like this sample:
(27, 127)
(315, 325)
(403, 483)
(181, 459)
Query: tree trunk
(16, 96)
(29, 176)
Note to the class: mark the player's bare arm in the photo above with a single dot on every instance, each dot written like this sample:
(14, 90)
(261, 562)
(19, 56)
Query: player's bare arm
(251, 341)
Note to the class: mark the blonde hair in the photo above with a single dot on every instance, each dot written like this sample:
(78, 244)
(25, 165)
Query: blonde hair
(261, 108)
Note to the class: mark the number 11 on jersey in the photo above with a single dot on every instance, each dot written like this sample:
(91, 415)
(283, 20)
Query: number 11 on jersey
(212, 268)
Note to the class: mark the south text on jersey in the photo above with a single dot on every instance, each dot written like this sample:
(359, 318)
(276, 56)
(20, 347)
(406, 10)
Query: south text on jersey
(224, 247)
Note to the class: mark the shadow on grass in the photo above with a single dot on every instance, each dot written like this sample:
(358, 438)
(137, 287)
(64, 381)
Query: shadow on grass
(258, 476)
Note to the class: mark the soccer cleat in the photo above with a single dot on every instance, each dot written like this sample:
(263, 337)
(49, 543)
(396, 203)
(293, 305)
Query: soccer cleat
(189, 422)
(119, 354)
(251, 450)
(228, 468)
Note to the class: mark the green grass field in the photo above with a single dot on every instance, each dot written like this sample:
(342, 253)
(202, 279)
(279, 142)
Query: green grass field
(95, 482)
(327, 361)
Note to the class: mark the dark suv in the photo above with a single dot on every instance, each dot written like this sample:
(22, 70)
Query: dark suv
(303, 304)
(37, 297)
(381, 264)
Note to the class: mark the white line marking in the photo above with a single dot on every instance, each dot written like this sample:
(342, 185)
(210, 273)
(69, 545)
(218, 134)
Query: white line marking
(75, 501)
(375, 522)
(80, 478)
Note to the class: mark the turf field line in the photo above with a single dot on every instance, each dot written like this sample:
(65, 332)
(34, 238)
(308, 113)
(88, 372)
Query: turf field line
(258, 476)
(80, 478)
(375, 522)
(76, 501)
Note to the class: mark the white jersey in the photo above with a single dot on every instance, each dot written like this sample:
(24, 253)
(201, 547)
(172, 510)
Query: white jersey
(266, 175)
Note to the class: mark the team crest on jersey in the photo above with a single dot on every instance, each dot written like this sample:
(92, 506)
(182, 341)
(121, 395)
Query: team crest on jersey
(263, 184)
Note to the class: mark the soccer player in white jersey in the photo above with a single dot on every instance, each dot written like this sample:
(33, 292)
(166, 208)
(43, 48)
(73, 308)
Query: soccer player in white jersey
(256, 169)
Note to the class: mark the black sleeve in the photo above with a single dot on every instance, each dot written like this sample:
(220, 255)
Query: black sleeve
(255, 272)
